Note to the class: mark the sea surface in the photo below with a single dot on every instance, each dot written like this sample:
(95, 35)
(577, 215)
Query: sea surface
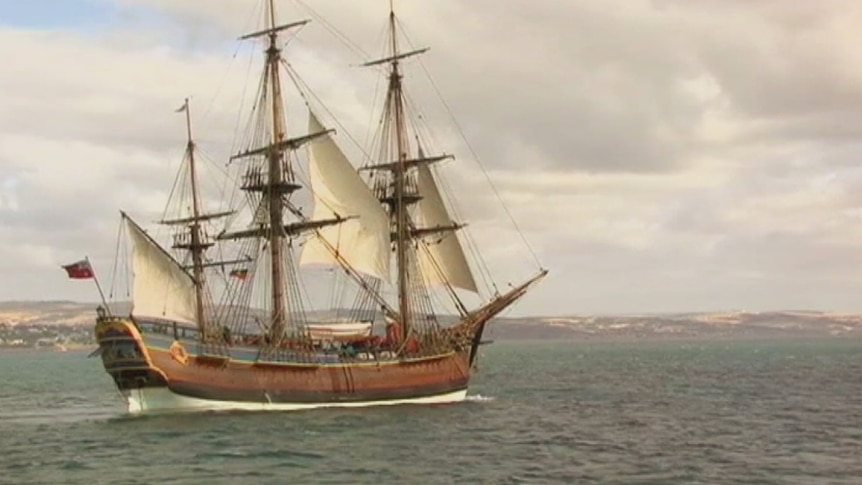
(656, 412)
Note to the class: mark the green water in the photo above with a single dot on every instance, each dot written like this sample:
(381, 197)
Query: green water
(766, 412)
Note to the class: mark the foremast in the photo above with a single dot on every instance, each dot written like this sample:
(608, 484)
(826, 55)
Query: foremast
(418, 212)
(403, 193)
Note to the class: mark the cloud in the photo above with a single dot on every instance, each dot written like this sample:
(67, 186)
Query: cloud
(659, 155)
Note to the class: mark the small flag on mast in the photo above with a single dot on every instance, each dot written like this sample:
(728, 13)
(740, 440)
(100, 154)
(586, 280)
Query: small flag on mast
(239, 273)
(80, 270)
(83, 270)
(182, 108)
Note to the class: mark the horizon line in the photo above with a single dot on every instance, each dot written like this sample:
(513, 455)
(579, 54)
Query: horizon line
(558, 315)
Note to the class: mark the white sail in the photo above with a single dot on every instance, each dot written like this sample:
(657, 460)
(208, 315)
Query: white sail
(340, 192)
(443, 258)
(160, 287)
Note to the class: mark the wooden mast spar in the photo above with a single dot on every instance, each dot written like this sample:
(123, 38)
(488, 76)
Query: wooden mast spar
(197, 244)
(276, 185)
(402, 198)
(400, 175)
(193, 240)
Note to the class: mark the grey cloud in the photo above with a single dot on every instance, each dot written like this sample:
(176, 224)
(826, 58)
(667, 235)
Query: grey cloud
(598, 86)
(629, 92)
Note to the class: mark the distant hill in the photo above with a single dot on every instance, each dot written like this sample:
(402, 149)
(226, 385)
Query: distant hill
(47, 313)
(734, 324)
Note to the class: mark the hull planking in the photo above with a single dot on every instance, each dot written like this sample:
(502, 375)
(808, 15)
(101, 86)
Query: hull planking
(156, 372)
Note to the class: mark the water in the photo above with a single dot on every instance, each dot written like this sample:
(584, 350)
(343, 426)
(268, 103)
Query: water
(765, 412)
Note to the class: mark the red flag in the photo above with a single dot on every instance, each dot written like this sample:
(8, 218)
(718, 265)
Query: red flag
(240, 273)
(80, 270)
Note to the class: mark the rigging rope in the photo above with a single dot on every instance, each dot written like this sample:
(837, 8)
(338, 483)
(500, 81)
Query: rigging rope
(475, 156)
(305, 91)
(115, 264)
(333, 30)
(448, 194)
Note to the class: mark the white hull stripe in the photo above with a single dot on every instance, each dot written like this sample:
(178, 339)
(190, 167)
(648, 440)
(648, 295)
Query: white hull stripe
(161, 400)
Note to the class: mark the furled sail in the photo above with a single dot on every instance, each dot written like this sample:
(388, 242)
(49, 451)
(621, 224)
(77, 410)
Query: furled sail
(444, 259)
(161, 288)
(363, 241)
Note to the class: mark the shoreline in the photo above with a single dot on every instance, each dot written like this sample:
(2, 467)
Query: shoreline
(572, 340)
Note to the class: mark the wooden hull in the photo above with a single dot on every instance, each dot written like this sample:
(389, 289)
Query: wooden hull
(155, 375)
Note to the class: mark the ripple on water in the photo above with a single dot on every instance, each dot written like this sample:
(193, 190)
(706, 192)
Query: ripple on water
(587, 413)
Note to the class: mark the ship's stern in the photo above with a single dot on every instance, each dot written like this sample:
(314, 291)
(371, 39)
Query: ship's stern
(125, 356)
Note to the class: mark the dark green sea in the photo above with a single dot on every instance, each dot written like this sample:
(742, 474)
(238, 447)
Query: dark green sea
(728, 412)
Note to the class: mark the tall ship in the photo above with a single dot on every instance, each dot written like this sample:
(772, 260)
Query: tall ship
(220, 316)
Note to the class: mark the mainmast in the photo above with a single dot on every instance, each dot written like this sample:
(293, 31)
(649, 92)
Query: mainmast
(400, 172)
(275, 182)
(279, 180)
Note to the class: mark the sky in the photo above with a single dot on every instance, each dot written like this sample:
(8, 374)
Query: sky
(658, 155)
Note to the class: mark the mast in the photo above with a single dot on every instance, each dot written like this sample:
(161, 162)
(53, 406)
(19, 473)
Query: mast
(402, 197)
(400, 172)
(279, 181)
(275, 183)
(192, 240)
(192, 237)
(196, 247)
